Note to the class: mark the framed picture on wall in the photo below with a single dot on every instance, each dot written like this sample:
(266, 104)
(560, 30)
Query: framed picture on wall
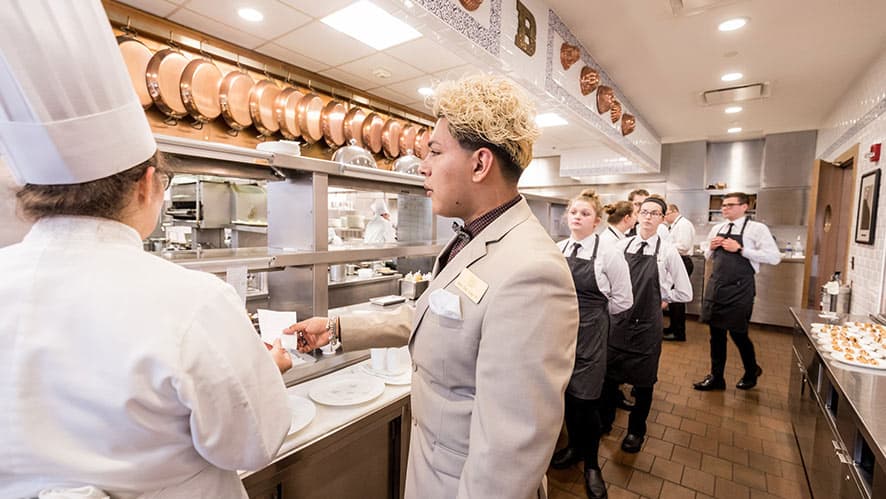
(866, 218)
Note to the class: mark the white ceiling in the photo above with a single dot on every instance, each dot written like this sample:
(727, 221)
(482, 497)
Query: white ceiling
(809, 51)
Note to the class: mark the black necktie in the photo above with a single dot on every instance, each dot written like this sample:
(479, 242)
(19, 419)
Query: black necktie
(731, 225)
(642, 250)
(575, 248)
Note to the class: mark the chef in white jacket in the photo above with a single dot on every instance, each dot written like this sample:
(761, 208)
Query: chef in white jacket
(380, 229)
(124, 375)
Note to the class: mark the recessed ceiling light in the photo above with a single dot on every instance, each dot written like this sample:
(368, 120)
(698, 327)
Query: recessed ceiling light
(732, 76)
(733, 24)
(426, 91)
(370, 24)
(250, 14)
(733, 109)
(734, 129)
(545, 120)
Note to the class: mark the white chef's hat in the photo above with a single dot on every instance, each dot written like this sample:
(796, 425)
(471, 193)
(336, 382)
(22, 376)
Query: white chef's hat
(68, 112)
(379, 207)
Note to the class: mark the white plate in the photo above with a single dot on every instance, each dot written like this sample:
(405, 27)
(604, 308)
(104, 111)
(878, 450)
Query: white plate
(347, 390)
(403, 378)
(303, 412)
(838, 356)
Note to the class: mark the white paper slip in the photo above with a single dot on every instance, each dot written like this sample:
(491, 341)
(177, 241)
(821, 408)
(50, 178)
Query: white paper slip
(271, 323)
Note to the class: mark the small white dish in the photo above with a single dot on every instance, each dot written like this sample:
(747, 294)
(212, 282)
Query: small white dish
(303, 412)
(347, 390)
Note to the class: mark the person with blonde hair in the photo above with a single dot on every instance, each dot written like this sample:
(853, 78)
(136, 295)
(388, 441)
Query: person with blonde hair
(493, 337)
(619, 220)
(603, 286)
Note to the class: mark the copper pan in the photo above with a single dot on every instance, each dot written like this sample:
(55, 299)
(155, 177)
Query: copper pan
(199, 90)
(390, 138)
(628, 122)
(310, 107)
(407, 138)
(286, 110)
(605, 96)
(421, 143)
(372, 130)
(162, 77)
(569, 55)
(354, 125)
(471, 5)
(136, 55)
(233, 97)
(615, 112)
(262, 99)
(589, 80)
(332, 121)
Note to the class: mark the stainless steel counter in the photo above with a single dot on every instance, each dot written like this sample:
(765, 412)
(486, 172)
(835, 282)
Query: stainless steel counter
(839, 416)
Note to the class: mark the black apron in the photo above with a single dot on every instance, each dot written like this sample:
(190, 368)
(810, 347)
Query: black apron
(590, 350)
(636, 334)
(729, 293)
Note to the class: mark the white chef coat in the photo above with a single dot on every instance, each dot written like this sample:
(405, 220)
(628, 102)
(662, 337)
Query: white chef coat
(610, 235)
(682, 234)
(672, 277)
(379, 230)
(610, 270)
(127, 372)
(758, 246)
(662, 231)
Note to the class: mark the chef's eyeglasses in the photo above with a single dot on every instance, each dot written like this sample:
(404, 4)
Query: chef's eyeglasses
(166, 177)
(730, 205)
(646, 213)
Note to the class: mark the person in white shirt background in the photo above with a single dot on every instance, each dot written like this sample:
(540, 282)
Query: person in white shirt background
(682, 235)
(619, 219)
(380, 229)
(658, 277)
(603, 286)
(636, 198)
(736, 248)
(124, 375)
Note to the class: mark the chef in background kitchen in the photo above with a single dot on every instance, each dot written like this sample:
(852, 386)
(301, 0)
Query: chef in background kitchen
(380, 229)
(124, 375)
(658, 277)
(736, 248)
(636, 198)
(682, 235)
(603, 285)
(493, 337)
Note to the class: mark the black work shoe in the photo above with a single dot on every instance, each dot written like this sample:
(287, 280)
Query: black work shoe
(632, 443)
(673, 337)
(565, 458)
(748, 382)
(595, 487)
(710, 383)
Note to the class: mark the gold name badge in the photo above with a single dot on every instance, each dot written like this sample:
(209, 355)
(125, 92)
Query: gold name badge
(472, 286)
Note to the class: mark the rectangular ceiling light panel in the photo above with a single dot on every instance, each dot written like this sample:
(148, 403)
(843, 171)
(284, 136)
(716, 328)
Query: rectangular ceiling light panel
(734, 94)
(370, 24)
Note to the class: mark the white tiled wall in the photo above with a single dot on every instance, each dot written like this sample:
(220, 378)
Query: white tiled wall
(856, 120)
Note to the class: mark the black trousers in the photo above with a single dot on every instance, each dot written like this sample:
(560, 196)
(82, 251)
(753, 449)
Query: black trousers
(639, 414)
(677, 311)
(745, 348)
(583, 426)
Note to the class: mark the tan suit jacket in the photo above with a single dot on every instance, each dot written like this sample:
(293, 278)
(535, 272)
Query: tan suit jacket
(487, 390)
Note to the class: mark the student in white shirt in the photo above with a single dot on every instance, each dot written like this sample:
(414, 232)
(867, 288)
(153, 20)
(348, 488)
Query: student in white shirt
(619, 219)
(603, 286)
(736, 248)
(658, 277)
(682, 235)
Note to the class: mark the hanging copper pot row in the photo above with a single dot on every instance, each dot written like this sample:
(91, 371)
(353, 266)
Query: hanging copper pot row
(181, 87)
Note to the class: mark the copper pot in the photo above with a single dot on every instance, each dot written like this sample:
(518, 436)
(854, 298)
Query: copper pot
(615, 112)
(589, 80)
(471, 5)
(605, 96)
(310, 107)
(233, 97)
(569, 55)
(286, 111)
(262, 99)
(407, 138)
(421, 143)
(332, 123)
(628, 123)
(390, 138)
(354, 125)
(372, 132)
(199, 90)
(136, 56)
(163, 75)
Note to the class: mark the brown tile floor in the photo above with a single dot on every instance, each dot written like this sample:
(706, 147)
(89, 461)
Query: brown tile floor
(734, 444)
